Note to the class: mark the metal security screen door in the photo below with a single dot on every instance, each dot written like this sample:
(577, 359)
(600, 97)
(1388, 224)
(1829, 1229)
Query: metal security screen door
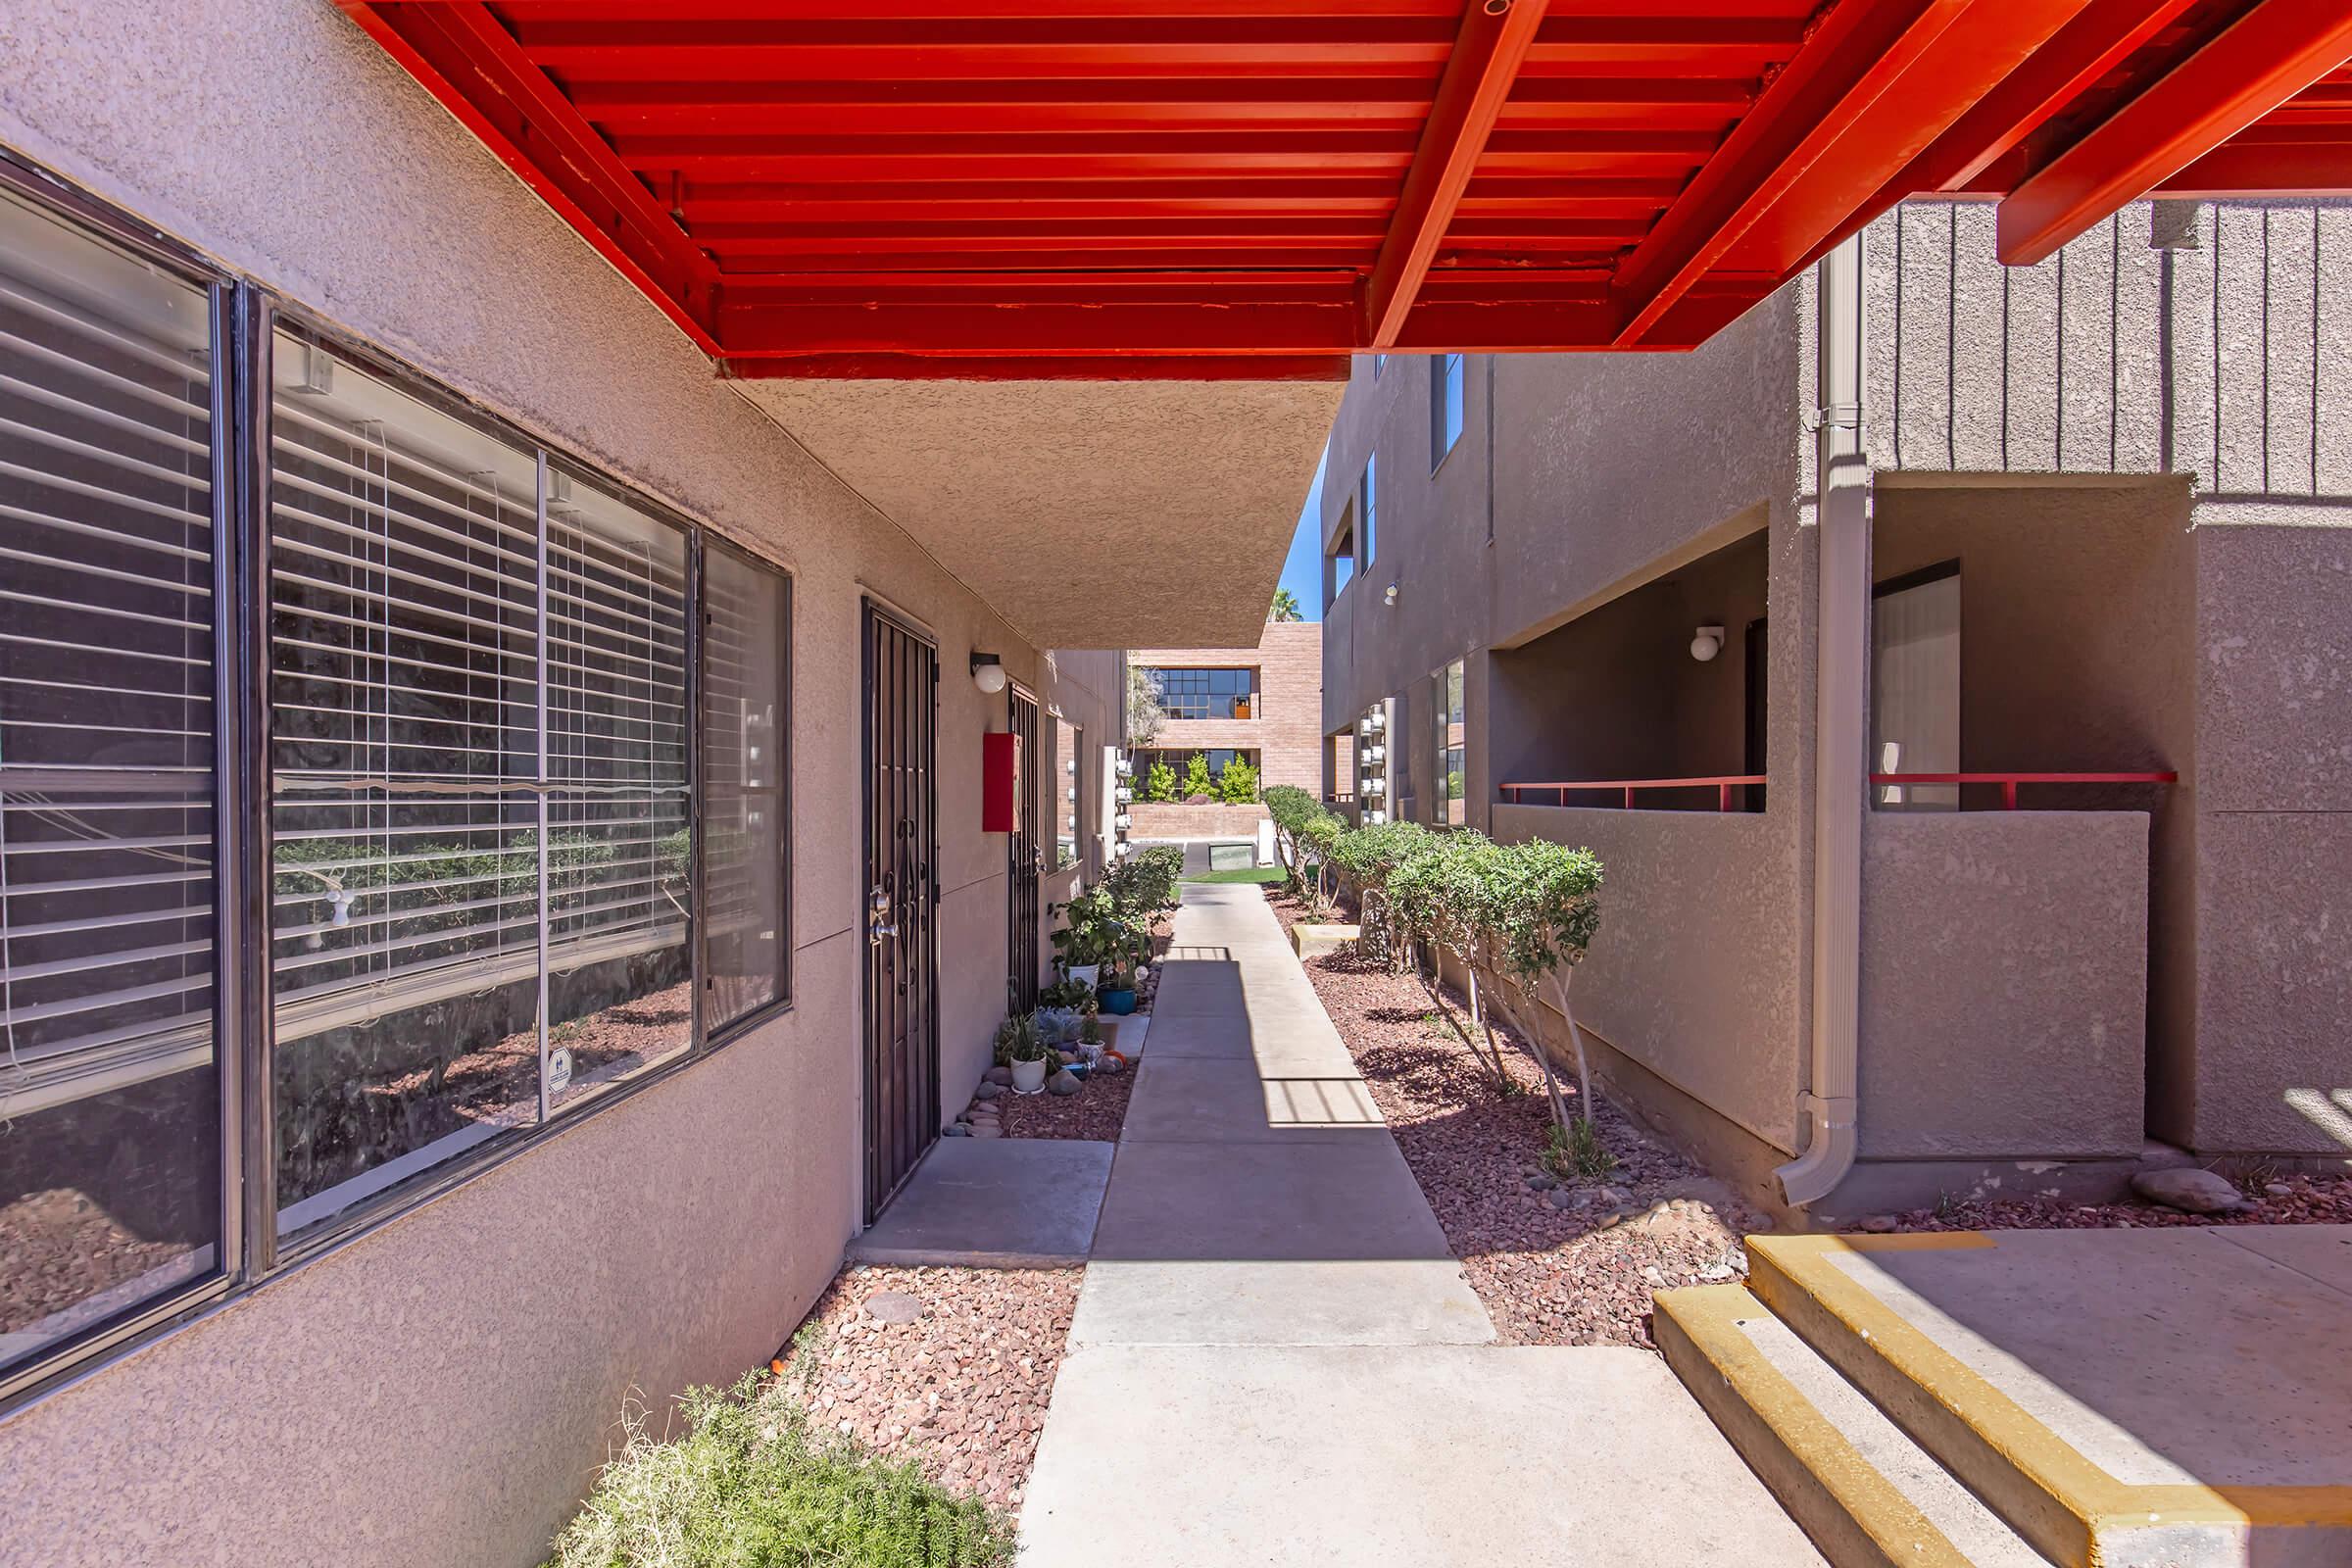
(901, 954)
(1024, 862)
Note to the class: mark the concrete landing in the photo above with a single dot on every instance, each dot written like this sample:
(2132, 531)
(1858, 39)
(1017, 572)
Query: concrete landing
(2130, 1399)
(983, 1202)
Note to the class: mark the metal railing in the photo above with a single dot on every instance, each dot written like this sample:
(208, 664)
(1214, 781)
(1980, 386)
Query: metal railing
(1724, 783)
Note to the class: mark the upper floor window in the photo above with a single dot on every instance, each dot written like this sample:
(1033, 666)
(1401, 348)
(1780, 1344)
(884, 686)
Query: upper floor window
(1448, 801)
(1209, 693)
(1369, 506)
(1445, 406)
(1339, 559)
(1380, 363)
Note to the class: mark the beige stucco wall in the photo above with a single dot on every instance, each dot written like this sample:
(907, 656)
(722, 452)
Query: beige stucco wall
(1694, 974)
(2004, 983)
(439, 1390)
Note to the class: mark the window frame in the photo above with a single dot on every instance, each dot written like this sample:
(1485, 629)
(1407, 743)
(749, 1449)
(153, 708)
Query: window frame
(1367, 511)
(245, 316)
(1445, 373)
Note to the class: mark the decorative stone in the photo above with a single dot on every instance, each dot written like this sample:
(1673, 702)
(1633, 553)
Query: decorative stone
(988, 1132)
(2278, 1188)
(1064, 1082)
(1541, 1182)
(955, 1129)
(893, 1307)
(988, 1090)
(1559, 1198)
(1002, 1077)
(1878, 1224)
(2191, 1190)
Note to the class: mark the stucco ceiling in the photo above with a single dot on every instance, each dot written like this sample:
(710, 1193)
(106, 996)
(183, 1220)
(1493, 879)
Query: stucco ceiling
(1089, 513)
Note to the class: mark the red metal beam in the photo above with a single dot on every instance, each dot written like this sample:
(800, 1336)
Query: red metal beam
(2275, 50)
(472, 64)
(1041, 367)
(2311, 165)
(1493, 42)
(1879, 80)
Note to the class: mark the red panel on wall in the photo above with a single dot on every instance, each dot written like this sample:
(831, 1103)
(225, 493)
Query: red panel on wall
(999, 772)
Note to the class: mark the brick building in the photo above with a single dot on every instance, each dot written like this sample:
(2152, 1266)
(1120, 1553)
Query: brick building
(1262, 705)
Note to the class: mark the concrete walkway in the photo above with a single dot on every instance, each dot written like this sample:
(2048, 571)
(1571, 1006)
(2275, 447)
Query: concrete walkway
(1276, 1359)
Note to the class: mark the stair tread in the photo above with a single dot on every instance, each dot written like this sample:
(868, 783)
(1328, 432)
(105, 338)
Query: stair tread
(1980, 1534)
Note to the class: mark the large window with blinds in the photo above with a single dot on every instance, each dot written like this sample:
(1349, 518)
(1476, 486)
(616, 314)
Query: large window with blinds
(110, 1176)
(288, 942)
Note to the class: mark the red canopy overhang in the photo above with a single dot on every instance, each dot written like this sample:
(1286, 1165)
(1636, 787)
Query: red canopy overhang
(1258, 189)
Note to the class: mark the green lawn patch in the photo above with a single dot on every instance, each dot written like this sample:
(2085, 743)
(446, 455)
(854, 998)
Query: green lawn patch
(752, 1483)
(1263, 875)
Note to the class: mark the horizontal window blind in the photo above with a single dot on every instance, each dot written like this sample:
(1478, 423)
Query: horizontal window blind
(105, 668)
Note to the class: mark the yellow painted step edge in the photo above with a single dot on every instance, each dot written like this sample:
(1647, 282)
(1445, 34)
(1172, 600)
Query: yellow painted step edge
(1854, 1515)
(2069, 1510)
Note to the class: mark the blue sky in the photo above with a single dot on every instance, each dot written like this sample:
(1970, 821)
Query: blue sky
(1302, 572)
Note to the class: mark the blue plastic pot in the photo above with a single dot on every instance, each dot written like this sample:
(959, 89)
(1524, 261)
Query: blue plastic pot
(1119, 1003)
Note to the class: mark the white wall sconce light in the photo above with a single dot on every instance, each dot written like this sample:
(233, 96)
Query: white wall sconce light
(1390, 597)
(1706, 643)
(988, 673)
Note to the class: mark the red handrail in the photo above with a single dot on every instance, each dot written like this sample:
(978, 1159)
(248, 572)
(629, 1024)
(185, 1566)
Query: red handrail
(1722, 784)
(2010, 781)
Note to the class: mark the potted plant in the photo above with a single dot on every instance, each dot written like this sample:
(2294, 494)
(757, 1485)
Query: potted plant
(1118, 988)
(1019, 1048)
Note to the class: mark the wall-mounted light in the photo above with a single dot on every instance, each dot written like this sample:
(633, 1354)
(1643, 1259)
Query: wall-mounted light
(1706, 643)
(1390, 597)
(1124, 767)
(988, 673)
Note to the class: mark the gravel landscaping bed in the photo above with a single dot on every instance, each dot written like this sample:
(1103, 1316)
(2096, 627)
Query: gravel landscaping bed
(950, 1368)
(1098, 1111)
(2295, 1200)
(1556, 1263)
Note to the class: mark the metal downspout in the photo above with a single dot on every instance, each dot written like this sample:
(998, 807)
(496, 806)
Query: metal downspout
(1841, 621)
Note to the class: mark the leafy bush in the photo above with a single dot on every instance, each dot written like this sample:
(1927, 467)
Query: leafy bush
(1237, 784)
(1159, 783)
(754, 1483)
(1196, 777)
(1145, 884)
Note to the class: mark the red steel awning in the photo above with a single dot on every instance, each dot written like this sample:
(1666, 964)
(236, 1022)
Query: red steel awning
(1259, 188)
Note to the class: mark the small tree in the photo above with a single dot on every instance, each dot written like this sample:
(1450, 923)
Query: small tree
(1542, 924)
(1237, 784)
(1196, 778)
(1145, 717)
(1316, 836)
(1159, 782)
(1285, 606)
(1367, 857)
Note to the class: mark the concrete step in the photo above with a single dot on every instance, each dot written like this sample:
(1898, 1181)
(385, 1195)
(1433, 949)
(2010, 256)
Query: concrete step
(1866, 1493)
(2003, 1357)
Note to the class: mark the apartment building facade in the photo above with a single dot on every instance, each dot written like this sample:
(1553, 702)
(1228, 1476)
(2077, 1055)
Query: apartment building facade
(1261, 706)
(2093, 655)
(494, 890)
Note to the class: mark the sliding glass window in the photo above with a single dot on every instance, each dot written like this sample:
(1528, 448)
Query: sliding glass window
(111, 1177)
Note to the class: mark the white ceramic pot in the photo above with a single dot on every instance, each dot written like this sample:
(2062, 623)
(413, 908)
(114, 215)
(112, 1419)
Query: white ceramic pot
(1028, 1077)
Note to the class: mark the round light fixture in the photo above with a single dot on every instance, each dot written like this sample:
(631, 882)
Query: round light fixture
(988, 673)
(1707, 643)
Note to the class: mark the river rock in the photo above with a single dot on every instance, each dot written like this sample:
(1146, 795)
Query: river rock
(2191, 1190)
(1064, 1082)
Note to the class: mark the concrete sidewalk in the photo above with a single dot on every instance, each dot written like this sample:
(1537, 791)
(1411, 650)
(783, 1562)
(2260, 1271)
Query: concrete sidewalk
(1276, 1358)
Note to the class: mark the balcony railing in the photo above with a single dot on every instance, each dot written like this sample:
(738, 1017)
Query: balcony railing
(2010, 781)
(1724, 783)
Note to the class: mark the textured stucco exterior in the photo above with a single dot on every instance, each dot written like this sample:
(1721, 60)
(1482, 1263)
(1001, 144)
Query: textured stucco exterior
(1095, 514)
(2001, 950)
(439, 1388)
(2140, 460)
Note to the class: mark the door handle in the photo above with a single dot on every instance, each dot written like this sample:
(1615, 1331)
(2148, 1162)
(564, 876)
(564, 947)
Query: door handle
(877, 933)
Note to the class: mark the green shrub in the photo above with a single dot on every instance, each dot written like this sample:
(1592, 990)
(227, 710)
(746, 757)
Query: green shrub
(754, 1484)
(1017, 1041)
(1575, 1152)
(1159, 783)
(1237, 784)
(1196, 777)
(1144, 883)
